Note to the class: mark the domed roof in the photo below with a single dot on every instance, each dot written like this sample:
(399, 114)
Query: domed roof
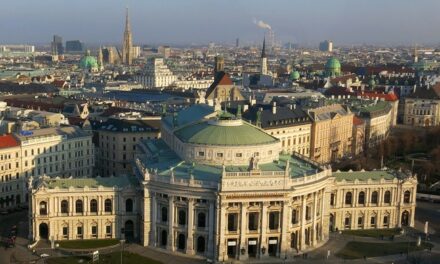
(224, 133)
(88, 62)
(294, 75)
(333, 63)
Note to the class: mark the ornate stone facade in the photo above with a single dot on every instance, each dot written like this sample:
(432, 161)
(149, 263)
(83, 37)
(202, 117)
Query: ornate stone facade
(245, 209)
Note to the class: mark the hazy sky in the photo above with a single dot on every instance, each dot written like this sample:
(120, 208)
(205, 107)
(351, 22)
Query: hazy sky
(202, 21)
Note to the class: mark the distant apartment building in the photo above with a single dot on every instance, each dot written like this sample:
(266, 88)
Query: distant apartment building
(63, 152)
(156, 74)
(165, 51)
(17, 48)
(116, 140)
(12, 187)
(422, 108)
(332, 131)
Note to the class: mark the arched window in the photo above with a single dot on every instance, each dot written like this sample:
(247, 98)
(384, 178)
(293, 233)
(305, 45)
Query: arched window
(164, 214)
(361, 198)
(108, 206)
(129, 205)
(200, 244)
(182, 217)
(43, 208)
(294, 216)
(93, 206)
(201, 220)
(78, 206)
(374, 197)
(64, 207)
(348, 198)
(407, 197)
(387, 197)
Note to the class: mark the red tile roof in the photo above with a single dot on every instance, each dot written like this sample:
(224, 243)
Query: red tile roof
(357, 121)
(8, 141)
(386, 96)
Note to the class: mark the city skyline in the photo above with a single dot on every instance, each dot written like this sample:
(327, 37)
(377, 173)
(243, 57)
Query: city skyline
(199, 22)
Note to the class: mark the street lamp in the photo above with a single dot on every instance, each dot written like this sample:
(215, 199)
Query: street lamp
(122, 241)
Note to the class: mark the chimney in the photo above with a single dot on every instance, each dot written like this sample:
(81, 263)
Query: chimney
(245, 107)
(294, 106)
(274, 108)
(290, 106)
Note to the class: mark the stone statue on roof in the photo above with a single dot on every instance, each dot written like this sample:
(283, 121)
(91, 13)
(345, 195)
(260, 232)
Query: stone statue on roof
(254, 163)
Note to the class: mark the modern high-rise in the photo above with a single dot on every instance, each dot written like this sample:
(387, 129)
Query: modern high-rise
(326, 46)
(127, 44)
(74, 46)
(57, 45)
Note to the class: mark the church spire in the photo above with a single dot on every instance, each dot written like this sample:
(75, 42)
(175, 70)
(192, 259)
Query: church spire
(263, 50)
(127, 49)
(127, 20)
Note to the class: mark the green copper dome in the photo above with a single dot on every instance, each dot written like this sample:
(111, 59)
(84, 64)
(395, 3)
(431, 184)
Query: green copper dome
(372, 82)
(333, 67)
(224, 133)
(333, 63)
(294, 75)
(88, 62)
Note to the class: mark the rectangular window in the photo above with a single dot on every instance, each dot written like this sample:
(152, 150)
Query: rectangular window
(79, 230)
(65, 231)
(108, 230)
(219, 155)
(274, 220)
(201, 154)
(238, 155)
(94, 231)
(232, 222)
(253, 221)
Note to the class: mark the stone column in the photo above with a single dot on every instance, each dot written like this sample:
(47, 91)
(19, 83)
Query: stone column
(243, 231)
(211, 229)
(222, 217)
(263, 230)
(190, 226)
(170, 241)
(303, 222)
(152, 219)
(314, 230)
(285, 230)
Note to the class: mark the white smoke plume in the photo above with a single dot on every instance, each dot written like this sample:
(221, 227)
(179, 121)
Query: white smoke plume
(262, 24)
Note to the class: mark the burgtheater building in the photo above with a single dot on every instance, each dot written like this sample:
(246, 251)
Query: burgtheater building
(218, 187)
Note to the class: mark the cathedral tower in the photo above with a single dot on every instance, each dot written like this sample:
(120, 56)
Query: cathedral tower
(263, 59)
(127, 44)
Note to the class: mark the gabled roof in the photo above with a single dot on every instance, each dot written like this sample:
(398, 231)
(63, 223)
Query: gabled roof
(8, 141)
(427, 93)
(221, 78)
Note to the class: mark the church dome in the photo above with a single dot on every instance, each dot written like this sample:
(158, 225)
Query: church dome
(294, 75)
(332, 67)
(333, 63)
(88, 62)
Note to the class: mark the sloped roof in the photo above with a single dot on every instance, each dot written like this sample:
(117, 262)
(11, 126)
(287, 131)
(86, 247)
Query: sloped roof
(8, 141)
(207, 133)
(221, 78)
